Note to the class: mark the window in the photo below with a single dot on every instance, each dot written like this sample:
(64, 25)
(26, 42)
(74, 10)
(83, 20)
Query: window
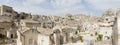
(11, 35)
(9, 11)
(106, 32)
(106, 19)
(44, 26)
(108, 22)
(2, 36)
(32, 30)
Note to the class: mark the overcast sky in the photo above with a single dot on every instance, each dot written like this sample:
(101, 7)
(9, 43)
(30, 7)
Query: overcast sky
(62, 7)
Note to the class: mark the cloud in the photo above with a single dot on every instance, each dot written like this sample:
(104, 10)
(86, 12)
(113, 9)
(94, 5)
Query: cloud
(66, 6)
(65, 3)
(34, 2)
(53, 7)
(104, 4)
(33, 10)
(62, 7)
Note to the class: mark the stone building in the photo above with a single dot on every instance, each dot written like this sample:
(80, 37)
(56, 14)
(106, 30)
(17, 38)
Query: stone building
(6, 10)
(31, 33)
(45, 36)
(38, 36)
(24, 27)
(23, 15)
(116, 30)
(4, 22)
(66, 34)
(7, 31)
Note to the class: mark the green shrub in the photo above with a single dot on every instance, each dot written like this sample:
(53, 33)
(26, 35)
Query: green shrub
(91, 34)
(76, 32)
(100, 36)
(81, 38)
(96, 33)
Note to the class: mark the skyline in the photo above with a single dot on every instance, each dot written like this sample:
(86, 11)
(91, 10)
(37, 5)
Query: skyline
(62, 7)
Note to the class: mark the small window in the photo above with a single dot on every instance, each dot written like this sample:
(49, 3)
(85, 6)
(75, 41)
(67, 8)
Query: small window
(44, 26)
(32, 30)
(2, 36)
(109, 22)
(85, 28)
(11, 35)
(9, 11)
(106, 32)
(106, 19)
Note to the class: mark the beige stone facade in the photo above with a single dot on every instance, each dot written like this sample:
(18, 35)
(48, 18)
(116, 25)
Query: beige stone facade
(27, 29)
(7, 32)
